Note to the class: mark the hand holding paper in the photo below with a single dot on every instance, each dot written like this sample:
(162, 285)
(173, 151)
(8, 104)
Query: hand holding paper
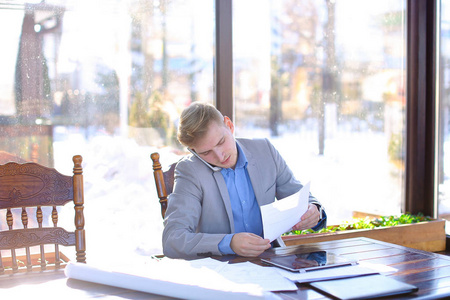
(279, 217)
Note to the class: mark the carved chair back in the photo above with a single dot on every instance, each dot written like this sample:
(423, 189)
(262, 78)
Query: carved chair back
(164, 181)
(29, 187)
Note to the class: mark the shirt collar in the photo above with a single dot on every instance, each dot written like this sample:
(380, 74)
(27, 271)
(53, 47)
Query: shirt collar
(242, 159)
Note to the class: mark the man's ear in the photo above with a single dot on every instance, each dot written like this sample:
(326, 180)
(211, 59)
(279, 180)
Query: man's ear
(229, 123)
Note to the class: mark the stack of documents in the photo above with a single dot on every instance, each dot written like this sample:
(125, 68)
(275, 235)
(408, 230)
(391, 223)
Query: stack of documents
(198, 279)
(208, 278)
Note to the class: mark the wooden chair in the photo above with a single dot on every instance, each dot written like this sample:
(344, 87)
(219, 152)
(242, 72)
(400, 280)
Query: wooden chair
(164, 181)
(29, 186)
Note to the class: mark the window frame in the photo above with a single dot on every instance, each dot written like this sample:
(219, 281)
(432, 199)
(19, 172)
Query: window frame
(420, 165)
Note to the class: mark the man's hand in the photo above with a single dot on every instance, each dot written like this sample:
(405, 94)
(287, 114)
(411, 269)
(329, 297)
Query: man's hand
(249, 244)
(309, 219)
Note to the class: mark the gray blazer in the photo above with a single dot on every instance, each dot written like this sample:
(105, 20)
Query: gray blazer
(199, 212)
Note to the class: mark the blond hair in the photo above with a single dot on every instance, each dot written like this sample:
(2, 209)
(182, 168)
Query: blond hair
(194, 121)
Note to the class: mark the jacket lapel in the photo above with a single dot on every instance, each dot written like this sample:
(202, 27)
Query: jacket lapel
(254, 173)
(225, 197)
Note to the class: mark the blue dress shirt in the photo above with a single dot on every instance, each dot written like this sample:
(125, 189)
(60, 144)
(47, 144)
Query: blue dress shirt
(246, 211)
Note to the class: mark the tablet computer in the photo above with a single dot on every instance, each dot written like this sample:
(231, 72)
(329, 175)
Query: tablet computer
(364, 287)
(304, 262)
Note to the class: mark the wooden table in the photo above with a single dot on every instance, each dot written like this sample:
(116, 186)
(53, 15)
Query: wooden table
(428, 271)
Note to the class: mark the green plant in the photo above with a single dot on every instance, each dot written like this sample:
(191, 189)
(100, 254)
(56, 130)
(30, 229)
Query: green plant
(367, 223)
(395, 147)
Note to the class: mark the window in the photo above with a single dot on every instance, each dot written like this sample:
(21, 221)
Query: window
(106, 80)
(444, 117)
(329, 94)
(323, 80)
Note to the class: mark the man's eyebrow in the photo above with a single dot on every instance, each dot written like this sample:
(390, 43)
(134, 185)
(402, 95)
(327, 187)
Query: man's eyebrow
(221, 140)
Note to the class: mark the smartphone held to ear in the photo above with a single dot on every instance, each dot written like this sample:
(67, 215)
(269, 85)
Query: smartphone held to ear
(214, 168)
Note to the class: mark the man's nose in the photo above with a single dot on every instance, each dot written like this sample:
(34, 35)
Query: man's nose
(219, 154)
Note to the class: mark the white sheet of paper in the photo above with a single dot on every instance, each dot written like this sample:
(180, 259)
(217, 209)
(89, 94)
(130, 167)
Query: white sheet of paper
(326, 274)
(279, 217)
(173, 278)
(266, 277)
(360, 269)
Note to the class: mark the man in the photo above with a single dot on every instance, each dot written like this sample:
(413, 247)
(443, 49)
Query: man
(214, 208)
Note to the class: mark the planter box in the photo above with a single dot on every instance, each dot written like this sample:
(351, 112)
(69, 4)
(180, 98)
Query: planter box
(427, 236)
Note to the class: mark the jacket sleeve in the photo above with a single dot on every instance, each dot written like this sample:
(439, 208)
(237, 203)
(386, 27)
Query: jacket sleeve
(181, 236)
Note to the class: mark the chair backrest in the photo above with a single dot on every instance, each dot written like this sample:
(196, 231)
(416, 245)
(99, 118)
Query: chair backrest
(164, 181)
(26, 187)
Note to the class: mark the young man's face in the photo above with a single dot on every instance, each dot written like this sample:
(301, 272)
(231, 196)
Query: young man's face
(218, 146)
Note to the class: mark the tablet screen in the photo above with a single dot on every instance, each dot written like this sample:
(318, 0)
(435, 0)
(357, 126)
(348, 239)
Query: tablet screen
(308, 261)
